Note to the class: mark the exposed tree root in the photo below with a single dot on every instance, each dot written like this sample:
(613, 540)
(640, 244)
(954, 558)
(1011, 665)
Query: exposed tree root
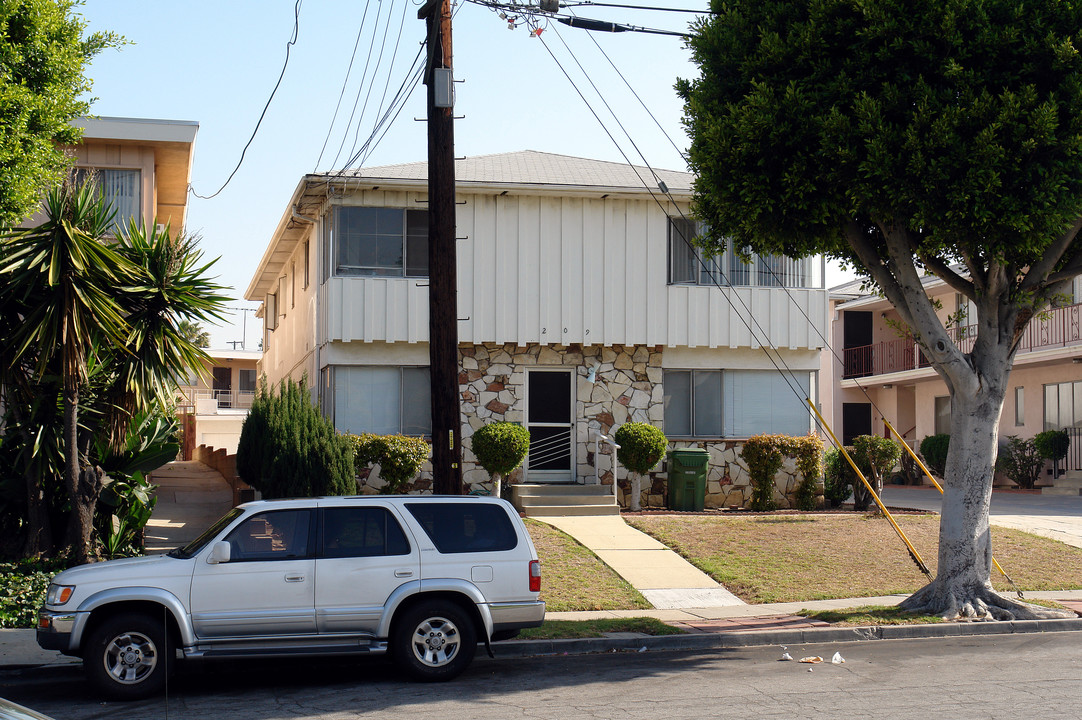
(976, 603)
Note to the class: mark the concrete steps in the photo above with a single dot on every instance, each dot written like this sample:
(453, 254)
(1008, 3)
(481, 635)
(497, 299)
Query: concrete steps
(561, 500)
(1068, 484)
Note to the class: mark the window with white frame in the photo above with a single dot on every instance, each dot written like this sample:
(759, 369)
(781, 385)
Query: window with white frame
(380, 399)
(1019, 406)
(1062, 405)
(120, 188)
(688, 265)
(735, 403)
(377, 241)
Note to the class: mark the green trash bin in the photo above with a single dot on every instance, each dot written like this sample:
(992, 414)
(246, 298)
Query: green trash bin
(687, 479)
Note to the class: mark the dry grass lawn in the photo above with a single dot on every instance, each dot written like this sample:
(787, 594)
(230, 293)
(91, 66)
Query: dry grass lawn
(789, 558)
(573, 578)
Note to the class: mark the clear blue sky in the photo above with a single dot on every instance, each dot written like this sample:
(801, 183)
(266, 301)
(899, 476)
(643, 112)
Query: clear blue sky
(216, 63)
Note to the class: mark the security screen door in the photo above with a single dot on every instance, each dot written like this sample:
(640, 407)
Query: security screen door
(551, 422)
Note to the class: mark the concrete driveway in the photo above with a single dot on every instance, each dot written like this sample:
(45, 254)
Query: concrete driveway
(1054, 516)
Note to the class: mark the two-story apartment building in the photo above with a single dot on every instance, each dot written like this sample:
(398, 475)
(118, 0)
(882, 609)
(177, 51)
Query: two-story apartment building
(581, 307)
(877, 371)
(143, 166)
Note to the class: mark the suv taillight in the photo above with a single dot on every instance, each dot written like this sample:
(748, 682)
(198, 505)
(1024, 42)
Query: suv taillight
(535, 576)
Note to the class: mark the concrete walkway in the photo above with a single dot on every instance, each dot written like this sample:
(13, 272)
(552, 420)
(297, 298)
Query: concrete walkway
(1058, 517)
(191, 497)
(665, 579)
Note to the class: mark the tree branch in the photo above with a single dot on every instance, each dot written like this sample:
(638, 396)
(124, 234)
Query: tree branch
(1040, 271)
(944, 272)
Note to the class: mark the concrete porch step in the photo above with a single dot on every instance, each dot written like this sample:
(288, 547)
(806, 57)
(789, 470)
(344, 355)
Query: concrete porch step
(537, 500)
(1060, 490)
(571, 510)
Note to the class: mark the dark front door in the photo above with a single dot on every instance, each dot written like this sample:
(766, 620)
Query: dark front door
(857, 343)
(856, 420)
(550, 420)
(223, 386)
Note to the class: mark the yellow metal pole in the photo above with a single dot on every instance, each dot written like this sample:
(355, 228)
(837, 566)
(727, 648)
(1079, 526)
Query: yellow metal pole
(928, 474)
(886, 513)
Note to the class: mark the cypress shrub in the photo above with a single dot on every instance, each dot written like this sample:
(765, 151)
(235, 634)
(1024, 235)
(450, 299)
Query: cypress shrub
(288, 449)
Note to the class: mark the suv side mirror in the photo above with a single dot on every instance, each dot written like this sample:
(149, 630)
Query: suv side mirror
(219, 553)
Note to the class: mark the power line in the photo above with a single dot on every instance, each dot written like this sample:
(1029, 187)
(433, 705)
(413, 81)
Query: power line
(345, 82)
(292, 41)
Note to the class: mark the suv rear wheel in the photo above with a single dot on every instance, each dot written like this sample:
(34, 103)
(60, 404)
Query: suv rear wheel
(126, 657)
(434, 641)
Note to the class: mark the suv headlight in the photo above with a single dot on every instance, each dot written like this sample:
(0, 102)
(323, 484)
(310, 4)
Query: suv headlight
(58, 594)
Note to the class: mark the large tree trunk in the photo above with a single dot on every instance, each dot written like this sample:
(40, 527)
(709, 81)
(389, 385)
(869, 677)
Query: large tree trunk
(962, 587)
(82, 484)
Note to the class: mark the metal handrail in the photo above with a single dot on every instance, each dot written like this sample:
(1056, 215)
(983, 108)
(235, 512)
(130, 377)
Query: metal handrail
(600, 437)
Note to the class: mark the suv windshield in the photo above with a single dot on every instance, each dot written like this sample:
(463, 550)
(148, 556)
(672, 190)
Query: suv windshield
(200, 542)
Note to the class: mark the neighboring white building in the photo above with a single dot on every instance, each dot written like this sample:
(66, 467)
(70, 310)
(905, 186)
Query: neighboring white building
(569, 270)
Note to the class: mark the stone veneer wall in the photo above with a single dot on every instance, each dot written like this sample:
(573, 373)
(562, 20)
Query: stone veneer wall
(627, 388)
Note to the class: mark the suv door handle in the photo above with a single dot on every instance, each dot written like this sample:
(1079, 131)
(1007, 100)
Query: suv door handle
(295, 578)
(403, 573)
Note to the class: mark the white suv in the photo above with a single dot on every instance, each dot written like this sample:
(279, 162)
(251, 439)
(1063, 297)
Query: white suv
(424, 577)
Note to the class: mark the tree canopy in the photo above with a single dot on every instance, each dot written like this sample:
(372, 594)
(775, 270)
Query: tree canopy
(906, 137)
(814, 123)
(42, 89)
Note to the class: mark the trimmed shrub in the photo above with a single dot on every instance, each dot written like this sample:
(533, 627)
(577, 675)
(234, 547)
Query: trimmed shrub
(399, 457)
(1052, 444)
(763, 455)
(876, 456)
(288, 449)
(838, 477)
(500, 447)
(1020, 461)
(934, 451)
(641, 448)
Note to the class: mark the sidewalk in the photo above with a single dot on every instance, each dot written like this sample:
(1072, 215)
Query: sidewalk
(191, 497)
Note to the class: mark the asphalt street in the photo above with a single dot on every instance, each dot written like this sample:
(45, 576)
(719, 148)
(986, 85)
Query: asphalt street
(1005, 676)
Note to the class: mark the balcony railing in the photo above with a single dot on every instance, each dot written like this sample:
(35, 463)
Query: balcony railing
(1059, 327)
(227, 399)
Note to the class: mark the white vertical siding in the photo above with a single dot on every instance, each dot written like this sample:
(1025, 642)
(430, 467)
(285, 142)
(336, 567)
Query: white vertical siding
(561, 270)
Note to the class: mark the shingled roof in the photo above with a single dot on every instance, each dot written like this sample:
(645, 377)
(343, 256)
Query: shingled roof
(530, 167)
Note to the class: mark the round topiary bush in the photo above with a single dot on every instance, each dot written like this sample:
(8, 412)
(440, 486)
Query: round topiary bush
(641, 448)
(1052, 444)
(934, 451)
(500, 447)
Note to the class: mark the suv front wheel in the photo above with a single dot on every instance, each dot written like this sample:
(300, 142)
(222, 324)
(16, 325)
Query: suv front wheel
(434, 641)
(126, 657)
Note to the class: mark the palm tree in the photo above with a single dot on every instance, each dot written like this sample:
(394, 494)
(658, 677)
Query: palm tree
(101, 314)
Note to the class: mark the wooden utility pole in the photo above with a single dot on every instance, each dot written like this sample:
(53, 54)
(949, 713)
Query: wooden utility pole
(442, 269)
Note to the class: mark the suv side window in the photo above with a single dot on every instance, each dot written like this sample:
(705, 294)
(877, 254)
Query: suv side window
(464, 528)
(276, 535)
(362, 532)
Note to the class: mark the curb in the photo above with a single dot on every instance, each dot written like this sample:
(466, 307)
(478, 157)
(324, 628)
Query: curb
(721, 641)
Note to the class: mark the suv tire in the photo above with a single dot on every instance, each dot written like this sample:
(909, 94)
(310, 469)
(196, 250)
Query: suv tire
(126, 657)
(434, 641)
